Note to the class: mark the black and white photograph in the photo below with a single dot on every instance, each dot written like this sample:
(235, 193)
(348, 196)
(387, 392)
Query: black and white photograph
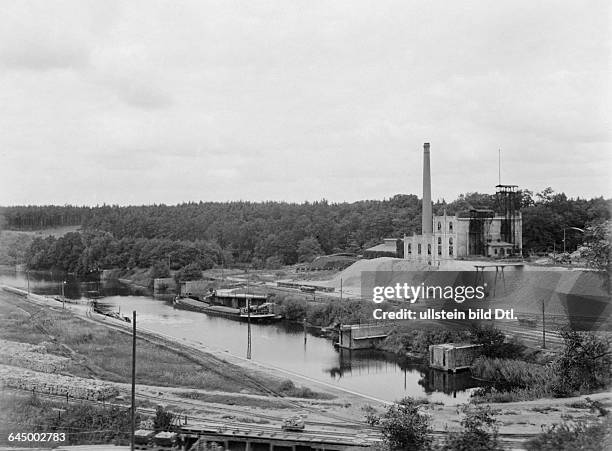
(305, 225)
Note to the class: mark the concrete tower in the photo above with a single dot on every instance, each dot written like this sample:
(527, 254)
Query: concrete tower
(426, 218)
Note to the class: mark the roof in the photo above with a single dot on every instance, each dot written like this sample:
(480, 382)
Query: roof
(456, 345)
(384, 247)
(231, 293)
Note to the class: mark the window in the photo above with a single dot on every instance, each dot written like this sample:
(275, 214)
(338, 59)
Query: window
(495, 251)
(439, 225)
(439, 241)
(410, 248)
(419, 248)
(450, 250)
(450, 226)
(429, 249)
(450, 241)
(439, 250)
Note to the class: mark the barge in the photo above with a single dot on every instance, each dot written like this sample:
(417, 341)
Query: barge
(229, 304)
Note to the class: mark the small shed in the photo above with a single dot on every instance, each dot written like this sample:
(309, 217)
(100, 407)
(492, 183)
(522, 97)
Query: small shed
(165, 440)
(453, 356)
(143, 438)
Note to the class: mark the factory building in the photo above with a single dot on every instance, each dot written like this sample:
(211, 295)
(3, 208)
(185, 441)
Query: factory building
(477, 233)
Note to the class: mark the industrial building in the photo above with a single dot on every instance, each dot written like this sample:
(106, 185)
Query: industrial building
(472, 234)
(477, 233)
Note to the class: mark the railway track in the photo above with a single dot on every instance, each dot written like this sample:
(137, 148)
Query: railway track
(512, 441)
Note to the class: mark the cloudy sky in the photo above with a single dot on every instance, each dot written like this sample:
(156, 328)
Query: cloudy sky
(166, 102)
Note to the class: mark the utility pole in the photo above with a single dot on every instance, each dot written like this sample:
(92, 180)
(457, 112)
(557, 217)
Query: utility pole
(341, 289)
(133, 379)
(248, 304)
(63, 295)
(543, 327)
(28, 277)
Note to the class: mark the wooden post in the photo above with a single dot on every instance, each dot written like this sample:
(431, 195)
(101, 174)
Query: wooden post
(248, 306)
(133, 379)
(543, 327)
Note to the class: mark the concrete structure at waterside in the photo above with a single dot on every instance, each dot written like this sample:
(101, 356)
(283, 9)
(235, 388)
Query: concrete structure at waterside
(452, 356)
(361, 336)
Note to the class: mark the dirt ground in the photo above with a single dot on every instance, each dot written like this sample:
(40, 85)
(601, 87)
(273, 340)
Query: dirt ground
(343, 412)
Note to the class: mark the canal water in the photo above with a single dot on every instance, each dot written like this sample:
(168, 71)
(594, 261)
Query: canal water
(280, 344)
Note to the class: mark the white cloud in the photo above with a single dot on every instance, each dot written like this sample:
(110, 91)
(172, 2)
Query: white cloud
(300, 100)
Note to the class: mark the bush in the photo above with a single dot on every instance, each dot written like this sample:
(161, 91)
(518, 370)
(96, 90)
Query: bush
(288, 388)
(163, 419)
(494, 343)
(192, 271)
(293, 309)
(570, 437)
(405, 428)
(584, 364)
(508, 373)
(418, 341)
(480, 431)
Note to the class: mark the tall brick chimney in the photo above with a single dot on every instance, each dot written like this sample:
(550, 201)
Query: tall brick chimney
(427, 218)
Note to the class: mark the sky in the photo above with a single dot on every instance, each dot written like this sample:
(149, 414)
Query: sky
(142, 102)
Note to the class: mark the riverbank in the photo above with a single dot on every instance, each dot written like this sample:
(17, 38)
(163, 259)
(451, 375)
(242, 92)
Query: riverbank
(64, 333)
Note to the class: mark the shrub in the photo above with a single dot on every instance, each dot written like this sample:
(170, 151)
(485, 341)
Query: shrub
(570, 437)
(405, 428)
(479, 433)
(509, 373)
(494, 343)
(293, 309)
(418, 341)
(163, 419)
(584, 364)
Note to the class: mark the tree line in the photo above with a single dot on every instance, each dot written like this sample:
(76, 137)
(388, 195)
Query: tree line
(272, 233)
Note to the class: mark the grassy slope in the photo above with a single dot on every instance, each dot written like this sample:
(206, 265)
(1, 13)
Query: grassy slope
(106, 353)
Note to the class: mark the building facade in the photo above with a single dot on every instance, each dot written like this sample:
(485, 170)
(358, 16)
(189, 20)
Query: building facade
(461, 237)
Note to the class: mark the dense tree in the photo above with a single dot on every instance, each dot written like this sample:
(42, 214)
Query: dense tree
(243, 232)
(308, 249)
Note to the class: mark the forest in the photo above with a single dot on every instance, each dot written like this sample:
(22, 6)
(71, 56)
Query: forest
(267, 234)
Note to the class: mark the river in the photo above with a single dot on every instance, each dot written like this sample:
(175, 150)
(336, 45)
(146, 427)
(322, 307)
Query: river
(281, 345)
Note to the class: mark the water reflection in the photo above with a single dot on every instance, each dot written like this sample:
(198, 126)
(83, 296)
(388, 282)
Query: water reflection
(280, 345)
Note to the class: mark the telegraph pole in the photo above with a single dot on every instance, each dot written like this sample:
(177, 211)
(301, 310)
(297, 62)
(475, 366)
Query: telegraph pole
(543, 327)
(133, 379)
(248, 304)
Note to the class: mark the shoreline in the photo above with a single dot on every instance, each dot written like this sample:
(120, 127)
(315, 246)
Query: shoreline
(518, 420)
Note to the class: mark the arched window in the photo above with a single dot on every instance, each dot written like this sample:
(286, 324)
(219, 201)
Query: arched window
(429, 249)
(419, 248)
(410, 248)
(450, 226)
(450, 241)
(439, 225)
(439, 241)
